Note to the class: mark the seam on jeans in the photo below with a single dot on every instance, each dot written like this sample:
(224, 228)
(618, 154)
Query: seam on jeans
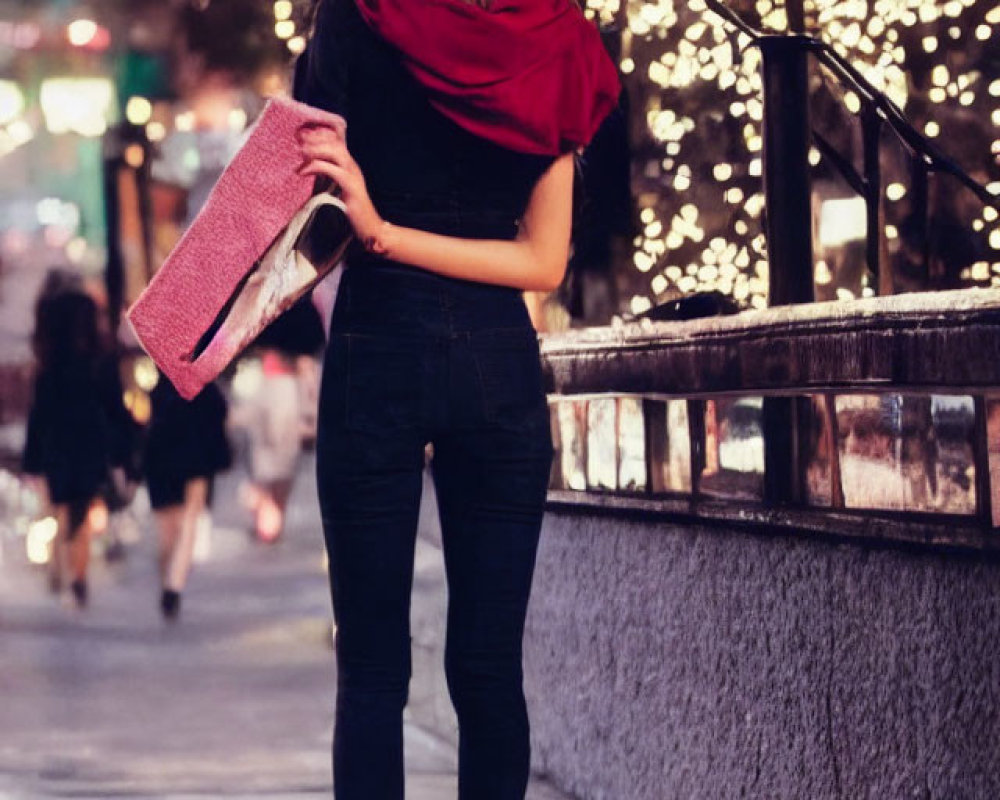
(380, 337)
(347, 382)
(487, 408)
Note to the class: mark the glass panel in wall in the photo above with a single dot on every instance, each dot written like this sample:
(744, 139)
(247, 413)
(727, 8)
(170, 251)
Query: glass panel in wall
(555, 471)
(571, 421)
(631, 445)
(733, 448)
(993, 448)
(820, 451)
(954, 418)
(670, 445)
(907, 452)
(602, 443)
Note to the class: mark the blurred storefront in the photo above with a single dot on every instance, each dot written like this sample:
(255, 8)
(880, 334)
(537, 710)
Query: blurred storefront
(115, 120)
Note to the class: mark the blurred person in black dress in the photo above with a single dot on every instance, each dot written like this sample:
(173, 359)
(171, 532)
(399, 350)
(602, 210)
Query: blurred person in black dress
(186, 446)
(78, 427)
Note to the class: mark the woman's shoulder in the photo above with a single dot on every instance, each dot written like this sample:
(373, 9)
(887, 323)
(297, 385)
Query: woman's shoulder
(321, 72)
(330, 10)
(339, 29)
(349, 70)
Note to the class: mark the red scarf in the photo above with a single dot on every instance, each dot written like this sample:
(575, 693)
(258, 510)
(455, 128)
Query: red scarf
(529, 75)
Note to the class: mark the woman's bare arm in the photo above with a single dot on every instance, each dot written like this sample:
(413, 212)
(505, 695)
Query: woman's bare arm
(535, 260)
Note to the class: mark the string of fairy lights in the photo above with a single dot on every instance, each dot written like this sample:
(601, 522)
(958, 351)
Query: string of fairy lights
(697, 86)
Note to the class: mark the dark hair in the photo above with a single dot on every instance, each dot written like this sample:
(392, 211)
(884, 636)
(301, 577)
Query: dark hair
(67, 332)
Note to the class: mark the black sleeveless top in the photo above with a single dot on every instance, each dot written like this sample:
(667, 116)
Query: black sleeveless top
(422, 170)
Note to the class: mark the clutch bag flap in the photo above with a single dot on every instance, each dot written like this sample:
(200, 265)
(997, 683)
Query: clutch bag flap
(307, 250)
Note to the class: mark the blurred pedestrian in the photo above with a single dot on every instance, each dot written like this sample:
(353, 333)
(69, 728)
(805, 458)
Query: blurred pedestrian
(275, 429)
(79, 430)
(278, 421)
(186, 446)
(457, 175)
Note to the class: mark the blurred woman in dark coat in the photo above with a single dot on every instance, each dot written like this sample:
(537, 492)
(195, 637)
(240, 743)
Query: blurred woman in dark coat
(78, 427)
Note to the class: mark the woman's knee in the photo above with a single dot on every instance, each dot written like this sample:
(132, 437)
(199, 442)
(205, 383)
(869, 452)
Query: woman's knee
(481, 682)
(380, 671)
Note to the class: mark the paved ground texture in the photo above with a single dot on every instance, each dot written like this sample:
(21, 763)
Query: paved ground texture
(234, 701)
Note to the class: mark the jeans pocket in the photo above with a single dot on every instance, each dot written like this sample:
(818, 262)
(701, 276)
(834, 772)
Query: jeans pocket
(384, 383)
(509, 370)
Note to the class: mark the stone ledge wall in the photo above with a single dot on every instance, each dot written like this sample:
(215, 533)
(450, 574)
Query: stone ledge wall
(688, 662)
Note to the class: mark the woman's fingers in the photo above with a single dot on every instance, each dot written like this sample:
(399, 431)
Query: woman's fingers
(317, 131)
(329, 142)
(315, 128)
(319, 166)
(326, 153)
(338, 155)
(324, 138)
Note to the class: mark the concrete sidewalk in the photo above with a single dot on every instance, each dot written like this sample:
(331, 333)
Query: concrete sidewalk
(234, 701)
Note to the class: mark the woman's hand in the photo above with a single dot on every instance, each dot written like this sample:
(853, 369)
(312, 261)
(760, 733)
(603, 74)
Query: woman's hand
(326, 154)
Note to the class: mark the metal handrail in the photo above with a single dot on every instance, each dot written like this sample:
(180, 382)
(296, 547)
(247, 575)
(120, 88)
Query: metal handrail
(733, 18)
(931, 157)
(919, 144)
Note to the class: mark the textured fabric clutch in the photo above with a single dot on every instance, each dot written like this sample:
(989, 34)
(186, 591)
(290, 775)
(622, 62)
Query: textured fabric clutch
(261, 241)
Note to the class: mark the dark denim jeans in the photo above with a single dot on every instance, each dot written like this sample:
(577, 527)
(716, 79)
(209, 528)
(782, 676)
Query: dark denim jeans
(415, 358)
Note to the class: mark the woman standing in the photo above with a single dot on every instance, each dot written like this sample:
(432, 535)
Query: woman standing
(457, 173)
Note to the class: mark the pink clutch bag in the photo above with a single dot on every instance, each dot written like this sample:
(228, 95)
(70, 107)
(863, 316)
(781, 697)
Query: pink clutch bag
(261, 241)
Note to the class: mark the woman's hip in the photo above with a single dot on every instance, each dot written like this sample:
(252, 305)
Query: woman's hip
(380, 297)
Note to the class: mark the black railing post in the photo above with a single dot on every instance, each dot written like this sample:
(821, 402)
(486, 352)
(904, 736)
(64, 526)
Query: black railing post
(981, 454)
(796, 16)
(114, 269)
(787, 192)
(788, 200)
(696, 432)
(143, 184)
(875, 255)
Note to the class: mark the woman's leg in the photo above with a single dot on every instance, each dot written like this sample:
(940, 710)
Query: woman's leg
(281, 490)
(77, 516)
(168, 522)
(272, 501)
(179, 564)
(369, 475)
(58, 556)
(491, 505)
(79, 551)
(491, 473)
